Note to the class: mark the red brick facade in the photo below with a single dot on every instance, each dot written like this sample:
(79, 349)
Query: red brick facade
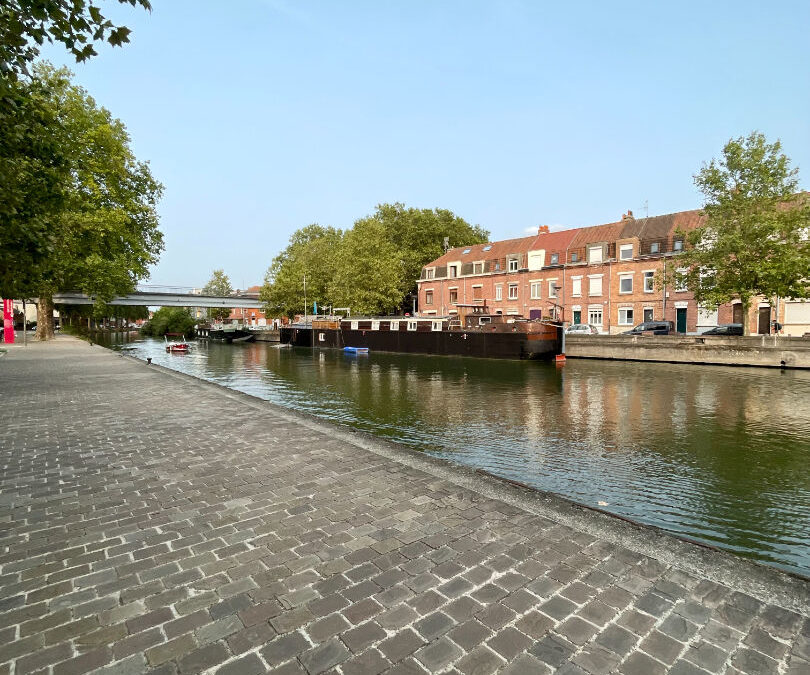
(603, 275)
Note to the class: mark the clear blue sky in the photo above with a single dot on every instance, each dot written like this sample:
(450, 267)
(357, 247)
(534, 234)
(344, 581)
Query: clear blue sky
(262, 116)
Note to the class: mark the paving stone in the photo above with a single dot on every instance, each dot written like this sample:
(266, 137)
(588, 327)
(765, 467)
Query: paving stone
(553, 650)
(752, 661)
(434, 625)
(438, 655)
(173, 649)
(250, 637)
(401, 645)
(360, 637)
(576, 630)
(526, 664)
(480, 661)
(203, 658)
(662, 647)
(324, 656)
(495, 616)
(596, 660)
(284, 648)
(370, 662)
(639, 663)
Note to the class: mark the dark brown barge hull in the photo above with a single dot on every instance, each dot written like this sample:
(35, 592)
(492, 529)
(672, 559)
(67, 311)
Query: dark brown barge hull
(489, 345)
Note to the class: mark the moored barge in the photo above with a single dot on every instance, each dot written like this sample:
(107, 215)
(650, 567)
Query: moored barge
(476, 333)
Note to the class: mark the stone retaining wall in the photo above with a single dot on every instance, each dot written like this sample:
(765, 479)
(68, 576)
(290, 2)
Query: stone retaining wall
(761, 350)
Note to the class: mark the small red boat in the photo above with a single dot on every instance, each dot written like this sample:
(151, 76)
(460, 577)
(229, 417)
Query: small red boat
(176, 346)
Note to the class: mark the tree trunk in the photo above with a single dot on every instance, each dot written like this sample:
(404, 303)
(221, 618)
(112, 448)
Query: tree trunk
(746, 319)
(45, 318)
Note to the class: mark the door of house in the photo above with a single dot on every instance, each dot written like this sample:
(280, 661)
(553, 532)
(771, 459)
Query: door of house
(680, 319)
(764, 325)
(577, 316)
(736, 313)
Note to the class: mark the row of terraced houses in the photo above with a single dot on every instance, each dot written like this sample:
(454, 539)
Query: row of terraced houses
(603, 275)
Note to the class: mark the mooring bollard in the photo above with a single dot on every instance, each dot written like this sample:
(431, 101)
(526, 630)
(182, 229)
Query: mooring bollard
(148, 360)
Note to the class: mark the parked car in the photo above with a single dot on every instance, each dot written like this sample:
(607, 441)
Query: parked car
(654, 327)
(725, 329)
(581, 329)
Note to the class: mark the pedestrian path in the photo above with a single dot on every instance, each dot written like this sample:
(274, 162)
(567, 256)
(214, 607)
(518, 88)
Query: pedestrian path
(150, 522)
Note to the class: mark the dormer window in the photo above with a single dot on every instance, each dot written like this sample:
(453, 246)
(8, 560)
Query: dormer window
(594, 254)
(513, 265)
(677, 245)
(574, 257)
(429, 272)
(478, 268)
(655, 247)
(626, 252)
(555, 258)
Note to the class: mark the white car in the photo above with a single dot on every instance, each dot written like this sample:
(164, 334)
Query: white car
(582, 329)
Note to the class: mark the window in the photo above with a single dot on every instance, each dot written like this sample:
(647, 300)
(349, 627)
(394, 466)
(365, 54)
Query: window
(429, 273)
(354, 325)
(321, 337)
(574, 257)
(655, 247)
(649, 282)
(594, 254)
(411, 325)
(452, 271)
(484, 319)
(535, 289)
(429, 297)
(513, 291)
(595, 286)
(487, 247)
(499, 292)
(375, 325)
(555, 258)
(513, 264)
(478, 293)
(576, 286)
(677, 245)
(478, 268)
(680, 281)
(648, 314)
(394, 325)
(625, 316)
(552, 288)
(595, 316)
(453, 296)
(626, 284)
(626, 252)
(466, 251)
(497, 265)
(436, 325)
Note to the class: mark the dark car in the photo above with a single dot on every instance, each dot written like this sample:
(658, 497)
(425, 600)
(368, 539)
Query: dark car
(725, 329)
(652, 327)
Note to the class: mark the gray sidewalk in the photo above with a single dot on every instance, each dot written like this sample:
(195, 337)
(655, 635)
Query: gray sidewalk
(155, 523)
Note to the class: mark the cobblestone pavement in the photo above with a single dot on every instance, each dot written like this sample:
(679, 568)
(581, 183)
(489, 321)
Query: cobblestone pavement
(153, 523)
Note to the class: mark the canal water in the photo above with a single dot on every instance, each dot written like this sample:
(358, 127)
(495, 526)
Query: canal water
(717, 454)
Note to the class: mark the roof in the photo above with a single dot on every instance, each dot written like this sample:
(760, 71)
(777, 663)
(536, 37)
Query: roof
(587, 235)
(660, 227)
(497, 249)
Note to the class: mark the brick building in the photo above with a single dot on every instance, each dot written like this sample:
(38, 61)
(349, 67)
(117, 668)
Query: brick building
(602, 275)
(253, 316)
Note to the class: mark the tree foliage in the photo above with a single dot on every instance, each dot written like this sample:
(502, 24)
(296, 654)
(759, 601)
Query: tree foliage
(756, 241)
(170, 320)
(104, 235)
(312, 252)
(371, 268)
(218, 284)
(25, 25)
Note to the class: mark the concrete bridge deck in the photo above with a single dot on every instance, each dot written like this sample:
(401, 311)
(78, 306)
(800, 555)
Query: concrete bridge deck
(156, 523)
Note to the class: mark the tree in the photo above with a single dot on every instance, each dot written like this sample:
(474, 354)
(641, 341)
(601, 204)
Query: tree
(755, 241)
(218, 284)
(312, 252)
(170, 320)
(104, 235)
(369, 274)
(25, 25)
(419, 235)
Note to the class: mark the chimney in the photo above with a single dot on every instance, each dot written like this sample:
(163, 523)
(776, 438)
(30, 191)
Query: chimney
(543, 229)
(627, 216)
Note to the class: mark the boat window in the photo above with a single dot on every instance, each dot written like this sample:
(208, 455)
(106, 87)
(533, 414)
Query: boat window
(375, 325)
(411, 325)
(484, 319)
(394, 325)
(437, 325)
(354, 325)
(321, 337)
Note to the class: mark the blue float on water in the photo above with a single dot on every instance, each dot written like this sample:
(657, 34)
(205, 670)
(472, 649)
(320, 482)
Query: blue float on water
(356, 350)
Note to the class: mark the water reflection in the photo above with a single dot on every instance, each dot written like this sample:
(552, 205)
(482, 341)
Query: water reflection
(717, 454)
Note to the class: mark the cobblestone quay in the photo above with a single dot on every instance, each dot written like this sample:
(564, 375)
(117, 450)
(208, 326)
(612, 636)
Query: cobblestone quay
(155, 523)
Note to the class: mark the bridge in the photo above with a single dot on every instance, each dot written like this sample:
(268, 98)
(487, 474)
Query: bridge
(164, 296)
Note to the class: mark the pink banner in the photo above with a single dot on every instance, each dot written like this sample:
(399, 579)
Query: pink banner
(8, 321)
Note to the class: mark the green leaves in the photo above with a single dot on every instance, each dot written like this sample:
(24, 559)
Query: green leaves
(77, 24)
(755, 239)
(218, 284)
(371, 268)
